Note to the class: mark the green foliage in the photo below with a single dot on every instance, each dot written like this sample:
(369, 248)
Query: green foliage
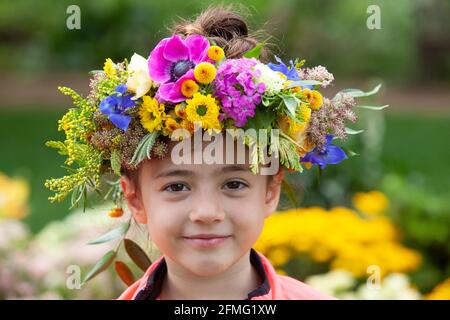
(144, 148)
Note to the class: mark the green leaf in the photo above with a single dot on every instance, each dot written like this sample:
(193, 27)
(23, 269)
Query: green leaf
(113, 234)
(137, 254)
(291, 104)
(101, 265)
(143, 149)
(288, 154)
(116, 162)
(351, 131)
(302, 83)
(356, 93)
(373, 107)
(255, 52)
(262, 120)
(349, 152)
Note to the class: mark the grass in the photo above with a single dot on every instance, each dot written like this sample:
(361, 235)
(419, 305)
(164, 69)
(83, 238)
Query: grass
(414, 144)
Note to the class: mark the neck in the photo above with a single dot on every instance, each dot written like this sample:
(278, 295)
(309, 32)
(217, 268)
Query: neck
(233, 284)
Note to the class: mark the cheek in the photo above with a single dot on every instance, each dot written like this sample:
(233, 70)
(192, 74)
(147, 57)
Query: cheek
(248, 214)
(163, 218)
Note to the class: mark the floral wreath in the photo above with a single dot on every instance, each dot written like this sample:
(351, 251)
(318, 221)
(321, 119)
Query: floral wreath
(186, 81)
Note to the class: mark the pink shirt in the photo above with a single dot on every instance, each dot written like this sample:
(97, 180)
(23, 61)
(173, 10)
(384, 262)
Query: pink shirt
(274, 287)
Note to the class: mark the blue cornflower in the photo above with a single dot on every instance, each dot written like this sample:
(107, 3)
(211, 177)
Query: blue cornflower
(329, 155)
(115, 105)
(289, 72)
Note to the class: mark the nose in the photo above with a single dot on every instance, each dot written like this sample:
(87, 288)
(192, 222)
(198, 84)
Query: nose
(207, 208)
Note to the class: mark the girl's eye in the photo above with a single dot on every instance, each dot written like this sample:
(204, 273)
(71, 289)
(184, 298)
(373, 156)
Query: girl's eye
(235, 185)
(176, 187)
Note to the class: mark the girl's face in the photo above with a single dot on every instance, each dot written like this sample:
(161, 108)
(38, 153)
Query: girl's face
(182, 203)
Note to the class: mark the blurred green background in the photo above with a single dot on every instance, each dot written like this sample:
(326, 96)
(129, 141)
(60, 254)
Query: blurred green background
(404, 150)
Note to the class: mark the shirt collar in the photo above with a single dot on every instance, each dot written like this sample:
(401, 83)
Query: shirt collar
(154, 283)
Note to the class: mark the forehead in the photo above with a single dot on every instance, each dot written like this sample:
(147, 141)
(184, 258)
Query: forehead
(219, 154)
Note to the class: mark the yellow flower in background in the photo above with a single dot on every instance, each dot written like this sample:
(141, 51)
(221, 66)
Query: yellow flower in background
(152, 114)
(279, 256)
(14, 195)
(338, 236)
(203, 109)
(188, 88)
(110, 68)
(317, 100)
(440, 292)
(216, 53)
(372, 203)
(205, 72)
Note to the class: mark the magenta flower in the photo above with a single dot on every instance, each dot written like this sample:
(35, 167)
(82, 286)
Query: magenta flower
(235, 87)
(172, 62)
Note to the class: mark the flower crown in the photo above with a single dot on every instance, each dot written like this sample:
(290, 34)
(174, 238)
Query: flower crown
(131, 105)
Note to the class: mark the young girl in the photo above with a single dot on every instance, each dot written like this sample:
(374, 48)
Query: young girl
(205, 218)
(204, 201)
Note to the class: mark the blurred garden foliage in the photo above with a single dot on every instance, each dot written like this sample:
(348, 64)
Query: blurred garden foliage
(411, 43)
(403, 157)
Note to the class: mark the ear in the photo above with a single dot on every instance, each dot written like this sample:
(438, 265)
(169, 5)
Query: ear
(273, 193)
(133, 199)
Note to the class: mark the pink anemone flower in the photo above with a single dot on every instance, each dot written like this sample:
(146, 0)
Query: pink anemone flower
(172, 62)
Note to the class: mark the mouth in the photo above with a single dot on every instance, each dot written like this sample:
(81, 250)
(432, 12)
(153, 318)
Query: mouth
(206, 241)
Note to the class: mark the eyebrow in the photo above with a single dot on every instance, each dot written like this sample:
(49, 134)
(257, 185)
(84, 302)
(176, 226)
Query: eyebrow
(189, 173)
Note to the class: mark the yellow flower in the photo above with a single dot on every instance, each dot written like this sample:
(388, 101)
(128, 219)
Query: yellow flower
(115, 212)
(338, 236)
(14, 195)
(189, 126)
(203, 109)
(110, 68)
(440, 292)
(307, 165)
(279, 256)
(283, 76)
(170, 125)
(295, 129)
(313, 97)
(204, 72)
(188, 88)
(317, 100)
(216, 53)
(180, 110)
(152, 114)
(373, 202)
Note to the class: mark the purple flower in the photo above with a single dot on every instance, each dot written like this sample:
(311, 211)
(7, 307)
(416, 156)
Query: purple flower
(330, 154)
(235, 87)
(172, 62)
(115, 105)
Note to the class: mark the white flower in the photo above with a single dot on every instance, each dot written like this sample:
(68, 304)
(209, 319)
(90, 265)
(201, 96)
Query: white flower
(333, 282)
(318, 73)
(139, 80)
(271, 79)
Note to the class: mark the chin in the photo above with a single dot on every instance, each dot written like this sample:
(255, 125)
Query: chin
(209, 266)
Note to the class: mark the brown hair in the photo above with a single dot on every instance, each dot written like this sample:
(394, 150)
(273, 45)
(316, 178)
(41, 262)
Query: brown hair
(227, 28)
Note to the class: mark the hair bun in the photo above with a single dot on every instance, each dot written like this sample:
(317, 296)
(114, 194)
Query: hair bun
(225, 27)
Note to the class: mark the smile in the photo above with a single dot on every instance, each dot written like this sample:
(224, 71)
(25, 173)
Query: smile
(206, 243)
